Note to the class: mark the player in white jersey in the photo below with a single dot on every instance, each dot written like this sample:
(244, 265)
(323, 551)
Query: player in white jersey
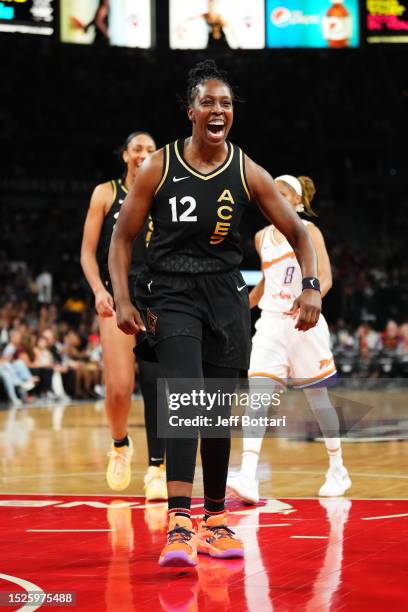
(279, 351)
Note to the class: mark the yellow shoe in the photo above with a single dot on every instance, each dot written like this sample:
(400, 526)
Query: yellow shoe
(155, 483)
(181, 547)
(216, 539)
(118, 473)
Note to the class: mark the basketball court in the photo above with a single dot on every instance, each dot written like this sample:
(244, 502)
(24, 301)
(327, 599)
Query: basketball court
(63, 532)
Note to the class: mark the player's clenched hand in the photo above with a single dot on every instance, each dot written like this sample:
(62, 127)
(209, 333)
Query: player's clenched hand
(307, 308)
(128, 318)
(104, 303)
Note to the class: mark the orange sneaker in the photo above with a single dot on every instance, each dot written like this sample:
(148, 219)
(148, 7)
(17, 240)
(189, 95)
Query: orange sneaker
(181, 547)
(217, 540)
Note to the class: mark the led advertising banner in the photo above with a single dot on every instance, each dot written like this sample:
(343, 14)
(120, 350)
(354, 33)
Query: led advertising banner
(312, 23)
(27, 16)
(217, 24)
(387, 21)
(122, 23)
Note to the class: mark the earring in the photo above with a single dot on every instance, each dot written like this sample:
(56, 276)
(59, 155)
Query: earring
(300, 207)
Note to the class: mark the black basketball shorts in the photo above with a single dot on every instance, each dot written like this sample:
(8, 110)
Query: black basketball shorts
(211, 307)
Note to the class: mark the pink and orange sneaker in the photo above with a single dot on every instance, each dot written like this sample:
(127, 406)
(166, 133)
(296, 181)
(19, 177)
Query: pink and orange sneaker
(181, 547)
(216, 539)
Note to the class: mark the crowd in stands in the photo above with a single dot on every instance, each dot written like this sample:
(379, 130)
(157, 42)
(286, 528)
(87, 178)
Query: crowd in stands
(52, 350)
(365, 352)
(48, 355)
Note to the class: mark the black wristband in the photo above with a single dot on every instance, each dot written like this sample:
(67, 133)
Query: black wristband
(310, 282)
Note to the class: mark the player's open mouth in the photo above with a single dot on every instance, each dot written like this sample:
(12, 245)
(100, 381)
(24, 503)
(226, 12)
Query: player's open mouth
(216, 127)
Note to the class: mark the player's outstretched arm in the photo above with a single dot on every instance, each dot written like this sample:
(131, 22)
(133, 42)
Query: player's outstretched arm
(130, 222)
(262, 186)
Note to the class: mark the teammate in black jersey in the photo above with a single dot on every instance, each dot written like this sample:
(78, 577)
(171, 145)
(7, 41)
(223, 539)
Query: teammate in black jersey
(192, 298)
(118, 358)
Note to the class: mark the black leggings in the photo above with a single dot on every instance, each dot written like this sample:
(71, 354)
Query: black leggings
(45, 376)
(148, 374)
(181, 357)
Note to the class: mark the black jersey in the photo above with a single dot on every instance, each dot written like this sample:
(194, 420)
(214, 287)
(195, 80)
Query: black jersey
(138, 261)
(196, 216)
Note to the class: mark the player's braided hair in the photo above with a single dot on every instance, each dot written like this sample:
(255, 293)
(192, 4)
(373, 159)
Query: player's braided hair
(205, 71)
(308, 192)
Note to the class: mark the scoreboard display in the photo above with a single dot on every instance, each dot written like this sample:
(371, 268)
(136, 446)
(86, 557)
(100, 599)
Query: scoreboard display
(214, 25)
(27, 16)
(120, 23)
(217, 24)
(387, 21)
(329, 24)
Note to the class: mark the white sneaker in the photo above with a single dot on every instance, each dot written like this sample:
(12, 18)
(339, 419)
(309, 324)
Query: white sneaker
(155, 483)
(243, 487)
(118, 473)
(337, 482)
(28, 385)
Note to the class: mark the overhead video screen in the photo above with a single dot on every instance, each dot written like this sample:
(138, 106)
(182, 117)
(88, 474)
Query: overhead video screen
(387, 21)
(217, 24)
(312, 23)
(27, 16)
(122, 23)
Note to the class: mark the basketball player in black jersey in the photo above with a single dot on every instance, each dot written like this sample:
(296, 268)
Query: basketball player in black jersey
(118, 358)
(192, 298)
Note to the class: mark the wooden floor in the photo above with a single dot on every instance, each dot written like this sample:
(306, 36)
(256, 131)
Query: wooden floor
(63, 449)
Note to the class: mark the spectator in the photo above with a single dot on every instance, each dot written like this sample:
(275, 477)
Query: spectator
(402, 348)
(368, 339)
(86, 376)
(64, 376)
(390, 338)
(44, 287)
(10, 382)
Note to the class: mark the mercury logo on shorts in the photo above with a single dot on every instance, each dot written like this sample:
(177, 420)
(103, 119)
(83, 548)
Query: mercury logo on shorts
(324, 363)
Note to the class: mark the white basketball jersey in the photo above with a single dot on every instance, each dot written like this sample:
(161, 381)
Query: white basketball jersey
(283, 276)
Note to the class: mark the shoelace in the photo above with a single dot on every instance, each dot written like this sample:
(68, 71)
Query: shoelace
(221, 531)
(179, 534)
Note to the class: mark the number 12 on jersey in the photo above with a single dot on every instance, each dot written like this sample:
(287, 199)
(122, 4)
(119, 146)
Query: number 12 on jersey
(186, 215)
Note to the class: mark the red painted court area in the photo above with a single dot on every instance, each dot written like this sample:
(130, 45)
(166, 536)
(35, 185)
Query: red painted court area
(333, 554)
